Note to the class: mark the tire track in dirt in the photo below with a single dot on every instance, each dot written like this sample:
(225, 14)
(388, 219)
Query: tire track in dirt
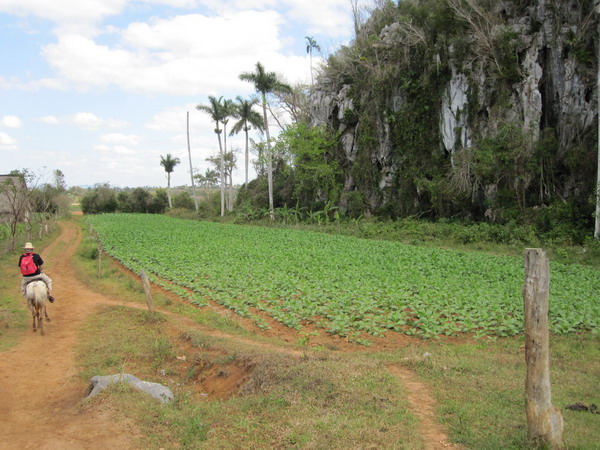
(422, 405)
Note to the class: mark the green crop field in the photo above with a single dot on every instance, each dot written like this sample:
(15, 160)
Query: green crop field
(344, 285)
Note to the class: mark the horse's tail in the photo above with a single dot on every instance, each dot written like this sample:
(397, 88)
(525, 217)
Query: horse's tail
(40, 293)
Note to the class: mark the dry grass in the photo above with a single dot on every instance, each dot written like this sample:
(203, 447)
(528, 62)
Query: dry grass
(259, 399)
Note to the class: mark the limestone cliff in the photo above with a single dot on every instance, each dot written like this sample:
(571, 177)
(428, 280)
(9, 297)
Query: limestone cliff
(461, 72)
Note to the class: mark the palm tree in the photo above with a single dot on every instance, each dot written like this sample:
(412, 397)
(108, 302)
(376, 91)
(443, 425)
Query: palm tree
(310, 45)
(190, 159)
(265, 83)
(169, 164)
(217, 113)
(228, 110)
(248, 119)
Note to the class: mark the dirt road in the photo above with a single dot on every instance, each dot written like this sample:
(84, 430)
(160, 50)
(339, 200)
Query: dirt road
(40, 392)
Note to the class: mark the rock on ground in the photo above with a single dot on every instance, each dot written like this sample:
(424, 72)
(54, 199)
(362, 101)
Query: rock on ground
(156, 390)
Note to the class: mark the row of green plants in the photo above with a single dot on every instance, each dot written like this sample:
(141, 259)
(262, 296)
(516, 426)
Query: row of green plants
(547, 227)
(344, 285)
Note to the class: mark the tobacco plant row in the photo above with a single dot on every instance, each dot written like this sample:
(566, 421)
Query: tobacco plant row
(344, 285)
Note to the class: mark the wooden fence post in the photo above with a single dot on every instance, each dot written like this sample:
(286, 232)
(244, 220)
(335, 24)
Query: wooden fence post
(99, 260)
(147, 291)
(544, 421)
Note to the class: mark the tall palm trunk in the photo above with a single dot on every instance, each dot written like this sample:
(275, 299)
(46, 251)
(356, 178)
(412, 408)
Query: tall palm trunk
(312, 81)
(222, 172)
(269, 162)
(230, 192)
(246, 131)
(230, 188)
(169, 189)
(190, 157)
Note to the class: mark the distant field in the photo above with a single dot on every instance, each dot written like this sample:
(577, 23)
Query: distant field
(344, 285)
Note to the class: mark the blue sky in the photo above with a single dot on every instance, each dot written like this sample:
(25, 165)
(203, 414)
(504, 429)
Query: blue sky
(100, 88)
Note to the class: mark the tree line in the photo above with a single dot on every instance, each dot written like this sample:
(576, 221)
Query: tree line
(31, 201)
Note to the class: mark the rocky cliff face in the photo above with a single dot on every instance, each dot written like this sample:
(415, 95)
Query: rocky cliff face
(540, 75)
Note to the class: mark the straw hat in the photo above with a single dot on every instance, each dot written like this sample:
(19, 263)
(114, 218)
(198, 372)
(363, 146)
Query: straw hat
(28, 245)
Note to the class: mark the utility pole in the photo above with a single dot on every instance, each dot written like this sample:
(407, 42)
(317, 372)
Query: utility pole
(190, 156)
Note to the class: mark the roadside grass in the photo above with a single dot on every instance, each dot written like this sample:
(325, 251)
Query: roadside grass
(135, 343)
(319, 400)
(14, 315)
(480, 388)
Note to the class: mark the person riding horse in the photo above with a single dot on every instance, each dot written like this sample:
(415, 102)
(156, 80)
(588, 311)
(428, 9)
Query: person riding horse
(31, 269)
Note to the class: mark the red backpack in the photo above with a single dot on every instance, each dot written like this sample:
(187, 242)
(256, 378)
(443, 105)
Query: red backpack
(28, 267)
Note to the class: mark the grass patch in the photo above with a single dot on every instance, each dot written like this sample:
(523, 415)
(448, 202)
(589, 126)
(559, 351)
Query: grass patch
(480, 388)
(319, 401)
(13, 318)
(135, 343)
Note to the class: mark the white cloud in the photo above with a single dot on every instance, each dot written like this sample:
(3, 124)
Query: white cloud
(254, 4)
(11, 122)
(65, 13)
(174, 3)
(329, 18)
(115, 150)
(50, 120)
(124, 150)
(90, 121)
(30, 86)
(191, 54)
(174, 120)
(186, 54)
(203, 140)
(121, 162)
(117, 138)
(7, 142)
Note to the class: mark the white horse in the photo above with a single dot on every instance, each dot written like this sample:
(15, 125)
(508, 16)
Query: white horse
(37, 295)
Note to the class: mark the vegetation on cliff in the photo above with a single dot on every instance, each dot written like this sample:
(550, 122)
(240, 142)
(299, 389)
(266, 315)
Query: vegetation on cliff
(469, 109)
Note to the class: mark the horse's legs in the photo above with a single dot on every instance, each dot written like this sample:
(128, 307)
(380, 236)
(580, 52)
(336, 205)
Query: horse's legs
(33, 312)
(40, 314)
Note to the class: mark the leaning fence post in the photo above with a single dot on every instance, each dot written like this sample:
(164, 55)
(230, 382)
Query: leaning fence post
(544, 421)
(99, 260)
(147, 291)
